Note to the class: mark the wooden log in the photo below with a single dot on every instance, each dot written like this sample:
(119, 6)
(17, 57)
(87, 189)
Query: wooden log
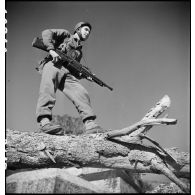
(28, 150)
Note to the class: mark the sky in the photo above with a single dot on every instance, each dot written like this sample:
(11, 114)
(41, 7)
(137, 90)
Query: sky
(140, 48)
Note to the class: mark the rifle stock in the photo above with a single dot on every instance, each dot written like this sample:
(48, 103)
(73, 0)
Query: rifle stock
(72, 64)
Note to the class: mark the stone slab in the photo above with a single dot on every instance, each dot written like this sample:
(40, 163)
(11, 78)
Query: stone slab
(52, 180)
(114, 185)
(110, 180)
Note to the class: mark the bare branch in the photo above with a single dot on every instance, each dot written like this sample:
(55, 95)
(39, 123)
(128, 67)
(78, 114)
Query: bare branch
(154, 112)
(141, 124)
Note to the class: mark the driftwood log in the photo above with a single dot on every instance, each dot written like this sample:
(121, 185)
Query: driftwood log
(119, 149)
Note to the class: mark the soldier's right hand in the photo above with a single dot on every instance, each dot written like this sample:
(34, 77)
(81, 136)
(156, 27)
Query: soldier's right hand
(54, 55)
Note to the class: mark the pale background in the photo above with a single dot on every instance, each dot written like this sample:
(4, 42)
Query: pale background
(141, 49)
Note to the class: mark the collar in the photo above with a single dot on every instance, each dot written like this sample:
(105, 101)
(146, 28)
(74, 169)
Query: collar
(76, 41)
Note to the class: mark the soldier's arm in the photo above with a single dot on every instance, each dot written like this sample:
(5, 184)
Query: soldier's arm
(52, 37)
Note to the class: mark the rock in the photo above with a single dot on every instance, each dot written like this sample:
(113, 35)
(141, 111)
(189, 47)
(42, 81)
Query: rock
(110, 180)
(114, 185)
(166, 188)
(52, 180)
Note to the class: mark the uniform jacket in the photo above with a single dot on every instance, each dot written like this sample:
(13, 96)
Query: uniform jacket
(60, 39)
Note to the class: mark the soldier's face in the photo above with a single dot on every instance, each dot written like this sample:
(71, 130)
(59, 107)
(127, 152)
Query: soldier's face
(85, 32)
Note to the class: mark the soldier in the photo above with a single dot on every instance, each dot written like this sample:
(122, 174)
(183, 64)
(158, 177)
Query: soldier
(55, 76)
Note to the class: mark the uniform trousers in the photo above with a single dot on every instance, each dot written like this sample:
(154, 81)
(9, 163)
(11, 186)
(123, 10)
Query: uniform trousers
(55, 77)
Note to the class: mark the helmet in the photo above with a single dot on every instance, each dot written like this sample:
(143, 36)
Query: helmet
(80, 24)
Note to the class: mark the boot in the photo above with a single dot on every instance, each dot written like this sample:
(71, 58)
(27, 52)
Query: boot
(92, 127)
(52, 129)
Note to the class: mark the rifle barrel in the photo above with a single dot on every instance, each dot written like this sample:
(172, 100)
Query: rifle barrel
(101, 83)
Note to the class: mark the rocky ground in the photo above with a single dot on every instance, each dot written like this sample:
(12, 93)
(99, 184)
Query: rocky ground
(166, 188)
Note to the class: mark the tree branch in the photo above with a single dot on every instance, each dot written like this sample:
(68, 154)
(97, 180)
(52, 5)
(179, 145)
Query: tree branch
(141, 124)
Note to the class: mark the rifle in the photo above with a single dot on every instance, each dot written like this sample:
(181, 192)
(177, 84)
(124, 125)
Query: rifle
(72, 64)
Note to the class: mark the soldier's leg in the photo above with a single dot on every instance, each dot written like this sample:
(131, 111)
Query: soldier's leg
(80, 98)
(47, 97)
